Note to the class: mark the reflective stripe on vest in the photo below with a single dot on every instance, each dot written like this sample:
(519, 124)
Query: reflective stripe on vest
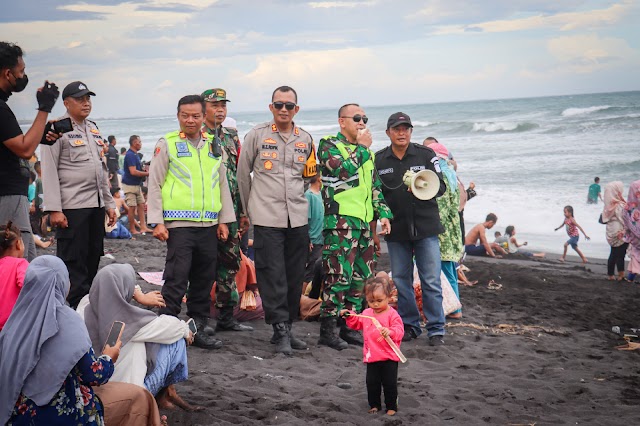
(354, 200)
(186, 192)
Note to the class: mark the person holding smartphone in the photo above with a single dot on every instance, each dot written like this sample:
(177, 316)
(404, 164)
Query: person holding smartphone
(147, 340)
(49, 371)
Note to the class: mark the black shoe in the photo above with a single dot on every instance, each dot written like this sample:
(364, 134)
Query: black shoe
(203, 339)
(436, 340)
(226, 321)
(328, 336)
(296, 343)
(350, 336)
(282, 340)
(409, 334)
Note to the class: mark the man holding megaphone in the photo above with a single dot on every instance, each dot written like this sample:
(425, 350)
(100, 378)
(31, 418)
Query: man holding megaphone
(352, 199)
(411, 181)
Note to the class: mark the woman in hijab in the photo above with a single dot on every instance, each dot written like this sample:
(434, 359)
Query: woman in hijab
(612, 215)
(48, 367)
(154, 351)
(631, 220)
(451, 238)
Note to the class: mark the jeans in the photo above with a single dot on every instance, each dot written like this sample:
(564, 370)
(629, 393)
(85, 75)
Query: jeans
(427, 258)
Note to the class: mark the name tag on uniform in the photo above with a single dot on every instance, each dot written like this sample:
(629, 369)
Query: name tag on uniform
(385, 171)
(416, 168)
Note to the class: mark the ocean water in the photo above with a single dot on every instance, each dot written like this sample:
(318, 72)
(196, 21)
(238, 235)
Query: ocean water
(528, 157)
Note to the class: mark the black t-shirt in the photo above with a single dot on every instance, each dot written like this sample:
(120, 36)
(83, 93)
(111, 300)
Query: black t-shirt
(112, 159)
(413, 219)
(14, 171)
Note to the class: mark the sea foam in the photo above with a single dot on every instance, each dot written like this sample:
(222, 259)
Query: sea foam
(570, 112)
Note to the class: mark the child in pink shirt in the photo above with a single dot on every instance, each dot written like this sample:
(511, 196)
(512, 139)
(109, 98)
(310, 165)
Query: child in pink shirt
(12, 269)
(381, 360)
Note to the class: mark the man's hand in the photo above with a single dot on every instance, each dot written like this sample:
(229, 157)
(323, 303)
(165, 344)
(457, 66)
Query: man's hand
(58, 220)
(376, 244)
(244, 225)
(386, 226)
(364, 138)
(47, 96)
(223, 231)
(112, 217)
(160, 232)
(344, 313)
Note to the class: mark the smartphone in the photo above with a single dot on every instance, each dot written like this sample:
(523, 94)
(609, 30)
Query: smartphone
(62, 126)
(192, 326)
(114, 335)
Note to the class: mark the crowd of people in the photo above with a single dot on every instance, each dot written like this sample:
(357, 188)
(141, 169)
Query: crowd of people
(312, 213)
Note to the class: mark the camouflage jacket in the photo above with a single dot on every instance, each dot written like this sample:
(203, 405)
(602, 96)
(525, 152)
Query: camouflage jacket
(333, 164)
(228, 140)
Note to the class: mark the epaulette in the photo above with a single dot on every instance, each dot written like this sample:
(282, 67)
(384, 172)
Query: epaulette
(382, 150)
(93, 122)
(262, 125)
(303, 130)
(230, 130)
(420, 146)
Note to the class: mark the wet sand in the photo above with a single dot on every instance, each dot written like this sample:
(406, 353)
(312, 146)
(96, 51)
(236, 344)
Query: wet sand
(540, 350)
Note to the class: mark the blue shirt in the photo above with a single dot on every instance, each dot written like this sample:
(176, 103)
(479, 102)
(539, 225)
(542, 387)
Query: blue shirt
(131, 159)
(316, 216)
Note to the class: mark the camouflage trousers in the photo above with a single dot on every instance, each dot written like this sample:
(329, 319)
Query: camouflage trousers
(347, 260)
(228, 266)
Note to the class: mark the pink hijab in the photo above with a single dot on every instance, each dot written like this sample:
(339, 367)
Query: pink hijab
(612, 199)
(631, 217)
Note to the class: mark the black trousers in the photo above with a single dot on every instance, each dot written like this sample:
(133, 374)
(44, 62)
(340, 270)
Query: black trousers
(382, 374)
(80, 247)
(616, 258)
(280, 256)
(314, 255)
(191, 260)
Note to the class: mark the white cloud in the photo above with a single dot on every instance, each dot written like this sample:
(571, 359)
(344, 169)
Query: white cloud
(340, 4)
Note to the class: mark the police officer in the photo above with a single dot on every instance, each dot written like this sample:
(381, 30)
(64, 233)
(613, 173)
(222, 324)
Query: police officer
(189, 201)
(416, 226)
(280, 155)
(228, 251)
(15, 147)
(76, 191)
(352, 196)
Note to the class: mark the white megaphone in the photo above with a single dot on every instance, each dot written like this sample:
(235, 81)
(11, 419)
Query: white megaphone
(424, 184)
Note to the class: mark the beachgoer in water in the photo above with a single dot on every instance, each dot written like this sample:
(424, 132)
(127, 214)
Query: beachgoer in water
(612, 216)
(352, 196)
(574, 236)
(477, 234)
(595, 192)
(381, 360)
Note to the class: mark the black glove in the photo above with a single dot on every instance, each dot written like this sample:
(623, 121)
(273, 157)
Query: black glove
(47, 96)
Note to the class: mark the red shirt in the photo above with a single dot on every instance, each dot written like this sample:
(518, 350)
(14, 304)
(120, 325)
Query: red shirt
(12, 270)
(374, 350)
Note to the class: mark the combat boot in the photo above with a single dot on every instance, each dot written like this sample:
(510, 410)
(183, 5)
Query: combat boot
(328, 336)
(281, 338)
(350, 336)
(203, 339)
(295, 342)
(226, 321)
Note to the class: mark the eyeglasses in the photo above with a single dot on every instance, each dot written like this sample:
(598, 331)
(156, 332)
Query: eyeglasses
(356, 118)
(288, 105)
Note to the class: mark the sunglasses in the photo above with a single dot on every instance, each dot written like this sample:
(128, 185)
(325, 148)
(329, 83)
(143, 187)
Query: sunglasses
(288, 105)
(356, 118)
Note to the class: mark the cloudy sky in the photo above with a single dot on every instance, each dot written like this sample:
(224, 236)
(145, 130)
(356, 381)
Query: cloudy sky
(141, 56)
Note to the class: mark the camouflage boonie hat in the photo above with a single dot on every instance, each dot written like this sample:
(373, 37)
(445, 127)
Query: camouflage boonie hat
(215, 95)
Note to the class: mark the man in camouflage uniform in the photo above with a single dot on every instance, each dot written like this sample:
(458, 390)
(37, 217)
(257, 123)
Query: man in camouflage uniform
(228, 263)
(352, 198)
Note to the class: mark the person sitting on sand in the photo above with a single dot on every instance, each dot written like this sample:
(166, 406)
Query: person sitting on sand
(572, 230)
(476, 234)
(514, 247)
(381, 360)
(49, 372)
(13, 266)
(154, 348)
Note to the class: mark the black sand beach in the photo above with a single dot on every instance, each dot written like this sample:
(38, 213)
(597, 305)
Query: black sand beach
(538, 351)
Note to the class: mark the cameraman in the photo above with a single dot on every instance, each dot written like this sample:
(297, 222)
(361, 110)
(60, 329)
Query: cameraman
(15, 147)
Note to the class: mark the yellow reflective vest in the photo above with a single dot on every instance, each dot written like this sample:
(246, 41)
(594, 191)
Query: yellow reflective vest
(191, 190)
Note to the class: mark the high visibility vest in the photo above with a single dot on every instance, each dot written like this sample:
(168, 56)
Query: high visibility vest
(354, 195)
(191, 189)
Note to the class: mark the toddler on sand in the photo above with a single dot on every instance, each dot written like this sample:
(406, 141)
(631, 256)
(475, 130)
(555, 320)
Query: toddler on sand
(572, 230)
(381, 360)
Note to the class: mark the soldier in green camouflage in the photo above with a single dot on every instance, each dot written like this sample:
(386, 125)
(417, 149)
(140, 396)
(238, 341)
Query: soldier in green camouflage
(352, 198)
(228, 263)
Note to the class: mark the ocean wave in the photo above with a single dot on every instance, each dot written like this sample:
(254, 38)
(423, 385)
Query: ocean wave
(503, 126)
(319, 127)
(570, 112)
(422, 123)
